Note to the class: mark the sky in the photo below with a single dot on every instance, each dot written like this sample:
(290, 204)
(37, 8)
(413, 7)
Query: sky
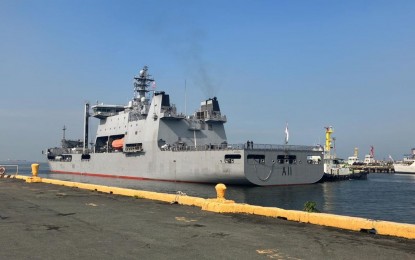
(346, 64)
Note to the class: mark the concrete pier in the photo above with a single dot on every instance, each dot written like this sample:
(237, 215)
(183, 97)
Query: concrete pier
(44, 221)
(374, 168)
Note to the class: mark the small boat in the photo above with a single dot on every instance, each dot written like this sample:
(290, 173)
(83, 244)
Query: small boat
(336, 169)
(407, 165)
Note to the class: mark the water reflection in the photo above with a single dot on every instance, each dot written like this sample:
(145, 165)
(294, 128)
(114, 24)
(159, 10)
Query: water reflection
(287, 197)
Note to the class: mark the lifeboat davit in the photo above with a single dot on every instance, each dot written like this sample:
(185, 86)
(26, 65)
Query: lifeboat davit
(118, 144)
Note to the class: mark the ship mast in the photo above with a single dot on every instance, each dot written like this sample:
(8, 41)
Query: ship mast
(64, 129)
(86, 127)
(141, 85)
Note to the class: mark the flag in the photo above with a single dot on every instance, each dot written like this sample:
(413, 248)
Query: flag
(287, 135)
(153, 85)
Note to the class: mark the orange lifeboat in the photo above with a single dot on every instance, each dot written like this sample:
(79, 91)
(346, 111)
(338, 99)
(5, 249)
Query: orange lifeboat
(118, 144)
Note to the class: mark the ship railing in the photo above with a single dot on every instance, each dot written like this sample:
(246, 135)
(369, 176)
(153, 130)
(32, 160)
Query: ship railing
(9, 169)
(208, 147)
(75, 150)
(254, 146)
(170, 112)
(102, 114)
(172, 115)
(215, 117)
(79, 151)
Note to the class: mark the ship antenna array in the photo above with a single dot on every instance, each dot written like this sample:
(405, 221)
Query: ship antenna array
(185, 97)
(63, 129)
(142, 83)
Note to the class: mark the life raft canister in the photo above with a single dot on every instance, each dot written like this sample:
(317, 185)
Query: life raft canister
(118, 144)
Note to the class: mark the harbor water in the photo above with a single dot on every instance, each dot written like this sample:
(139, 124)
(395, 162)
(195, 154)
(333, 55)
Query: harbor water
(382, 196)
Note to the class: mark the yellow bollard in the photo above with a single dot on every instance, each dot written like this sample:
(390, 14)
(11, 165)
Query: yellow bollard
(35, 172)
(220, 191)
(220, 204)
(35, 169)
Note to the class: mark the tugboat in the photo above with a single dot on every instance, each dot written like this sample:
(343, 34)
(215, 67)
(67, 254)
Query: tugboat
(147, 139)
(335, 169)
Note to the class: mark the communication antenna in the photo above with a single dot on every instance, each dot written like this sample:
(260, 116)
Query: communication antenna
(185, 98)
(287, 134)
(86, 127)
(64, 129)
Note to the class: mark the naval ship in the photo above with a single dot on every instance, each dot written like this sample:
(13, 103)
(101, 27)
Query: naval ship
(147, 139)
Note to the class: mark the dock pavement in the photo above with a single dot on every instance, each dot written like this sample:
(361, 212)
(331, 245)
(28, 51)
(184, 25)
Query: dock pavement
(45, 221)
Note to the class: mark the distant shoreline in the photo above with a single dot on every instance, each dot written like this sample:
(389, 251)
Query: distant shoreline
(14, 161)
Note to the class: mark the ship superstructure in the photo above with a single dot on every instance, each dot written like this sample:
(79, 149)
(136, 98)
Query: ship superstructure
(149, 140)
(407, 165)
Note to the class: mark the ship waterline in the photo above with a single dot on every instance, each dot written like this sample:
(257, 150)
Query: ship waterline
(231, 166)
(149, 140)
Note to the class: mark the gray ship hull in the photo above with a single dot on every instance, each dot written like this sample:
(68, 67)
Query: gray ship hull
(199, 166)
